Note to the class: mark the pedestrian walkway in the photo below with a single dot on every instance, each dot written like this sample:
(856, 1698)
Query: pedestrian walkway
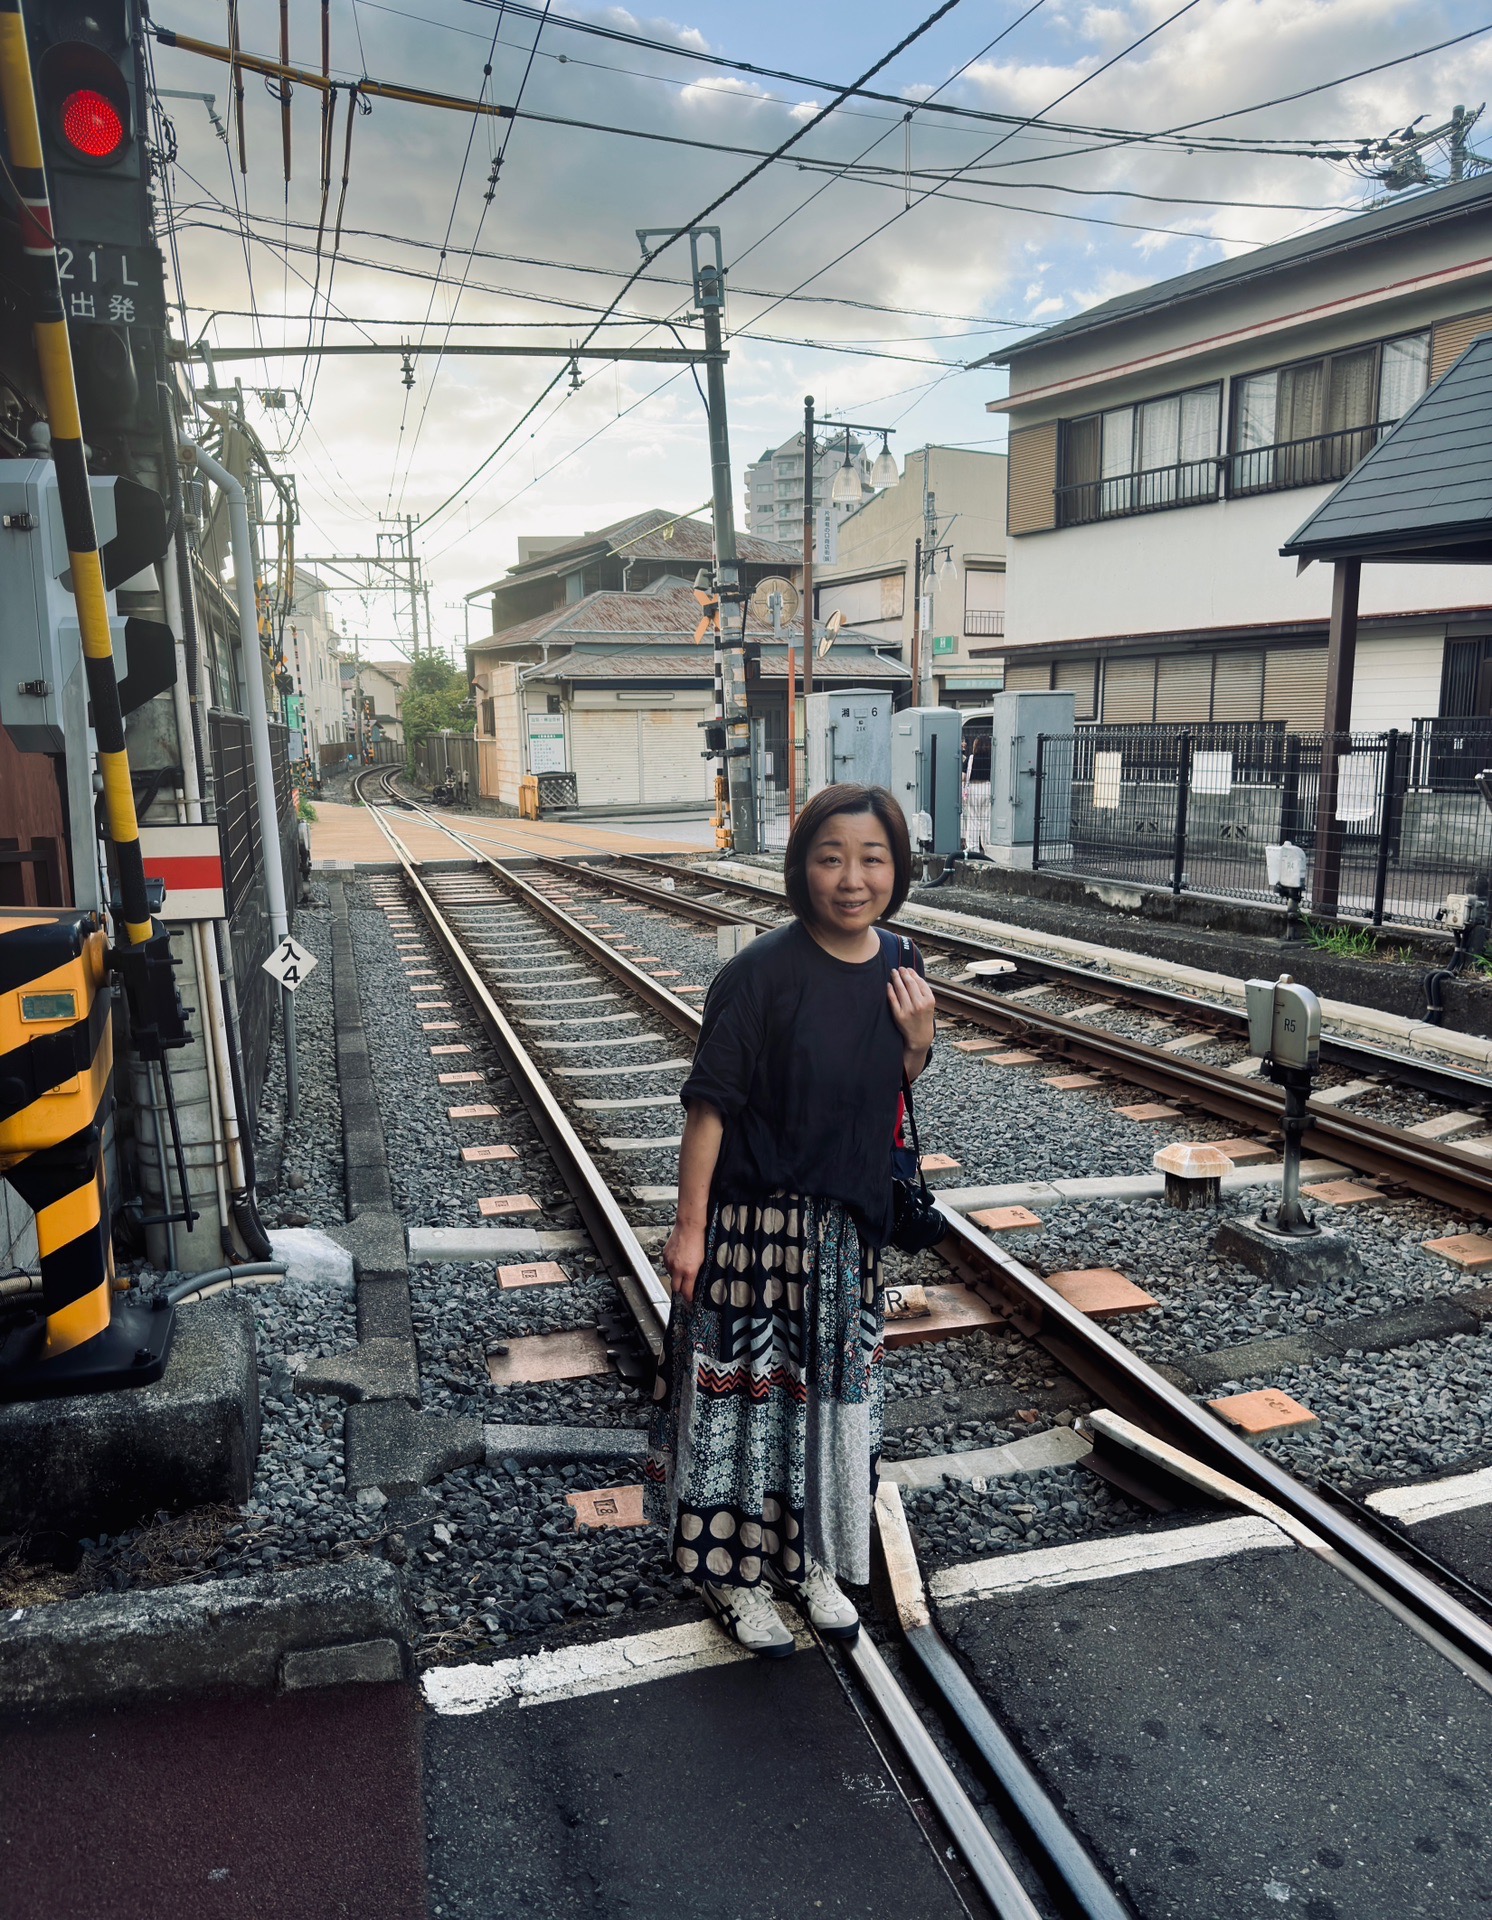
(344, 833)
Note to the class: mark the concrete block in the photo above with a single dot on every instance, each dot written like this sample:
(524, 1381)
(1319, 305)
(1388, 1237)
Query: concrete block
(101, 1461)
(366, 1662)
(120, 1649)
(372, 1370)
(391, 1446)
(375, 1239)
(383, 1309)
(492, 1243)
(536, 1446)
(1288, 1260)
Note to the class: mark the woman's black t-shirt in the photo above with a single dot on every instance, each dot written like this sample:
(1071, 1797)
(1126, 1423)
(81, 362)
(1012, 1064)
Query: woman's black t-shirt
(801, 1056)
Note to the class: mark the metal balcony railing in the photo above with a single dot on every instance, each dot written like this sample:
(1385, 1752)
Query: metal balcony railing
(1320, 460)
(980, 623)
(1151, 490)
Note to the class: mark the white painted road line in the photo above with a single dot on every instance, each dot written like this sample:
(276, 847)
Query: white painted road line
(1106, 1559)
(568, 1673)
(1432, 1498)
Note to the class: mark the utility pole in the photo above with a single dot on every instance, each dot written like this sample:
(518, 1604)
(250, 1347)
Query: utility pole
(709, 300)
(807, 551)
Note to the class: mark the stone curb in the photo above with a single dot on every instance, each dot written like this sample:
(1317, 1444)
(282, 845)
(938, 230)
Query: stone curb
(562, 1446)
(386, 1442)
(258, 1632)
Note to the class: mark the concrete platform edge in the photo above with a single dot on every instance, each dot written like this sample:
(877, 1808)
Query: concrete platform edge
(254, 1633)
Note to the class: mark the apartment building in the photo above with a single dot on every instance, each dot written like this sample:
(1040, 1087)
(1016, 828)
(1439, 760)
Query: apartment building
(952, 500)
(1165, 445)
(774, 491)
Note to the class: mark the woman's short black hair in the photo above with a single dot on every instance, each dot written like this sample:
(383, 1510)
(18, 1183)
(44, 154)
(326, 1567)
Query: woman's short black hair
(846, 798)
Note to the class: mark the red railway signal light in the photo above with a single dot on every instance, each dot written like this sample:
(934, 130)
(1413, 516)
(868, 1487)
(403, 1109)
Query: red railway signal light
(91, 125)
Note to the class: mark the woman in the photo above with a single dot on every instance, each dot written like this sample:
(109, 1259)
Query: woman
(764, 1446)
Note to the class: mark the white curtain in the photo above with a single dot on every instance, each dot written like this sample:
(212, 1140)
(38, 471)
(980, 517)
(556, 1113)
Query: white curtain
(1404, 375)
(1256, 410)
(1118, 459)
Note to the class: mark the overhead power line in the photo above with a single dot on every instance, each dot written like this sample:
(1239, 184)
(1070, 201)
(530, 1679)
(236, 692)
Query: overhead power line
(598, 30)
(924, 26)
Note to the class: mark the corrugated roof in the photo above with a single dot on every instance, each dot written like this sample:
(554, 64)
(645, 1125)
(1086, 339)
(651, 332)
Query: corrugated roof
(1425, 491)
(1467, 199)
(675, 662)
(653, 535)
(668, 614)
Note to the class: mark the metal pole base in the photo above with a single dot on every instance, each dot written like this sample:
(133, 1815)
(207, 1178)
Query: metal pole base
(130, 1352)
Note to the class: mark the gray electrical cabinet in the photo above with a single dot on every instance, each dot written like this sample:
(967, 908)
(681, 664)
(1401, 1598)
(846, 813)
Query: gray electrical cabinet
(848, 737)
(925, 775)
(1020, 719)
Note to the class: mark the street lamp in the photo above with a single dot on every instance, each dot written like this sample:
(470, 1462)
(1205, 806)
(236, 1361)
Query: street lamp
(885, 472)
(847, 490)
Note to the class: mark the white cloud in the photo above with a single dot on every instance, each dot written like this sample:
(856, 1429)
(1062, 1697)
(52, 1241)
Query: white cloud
(570, 194)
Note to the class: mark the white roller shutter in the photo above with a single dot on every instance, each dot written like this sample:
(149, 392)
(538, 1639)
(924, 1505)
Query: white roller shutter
(604, 754)
(1027, 676)
(671, 743)
(1078, 677)
(1238, 686)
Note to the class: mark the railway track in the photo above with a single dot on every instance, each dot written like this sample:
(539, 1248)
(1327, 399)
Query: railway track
(1114, 1375)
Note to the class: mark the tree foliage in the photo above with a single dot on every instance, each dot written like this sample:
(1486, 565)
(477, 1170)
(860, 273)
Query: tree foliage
(437, 700)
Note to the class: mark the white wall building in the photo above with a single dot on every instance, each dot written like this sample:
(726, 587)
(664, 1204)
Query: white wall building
(961, 495)
(310, 643)
(1164, 446)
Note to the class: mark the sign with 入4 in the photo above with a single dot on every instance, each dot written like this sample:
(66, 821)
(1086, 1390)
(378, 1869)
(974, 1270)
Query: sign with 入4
(289, 963)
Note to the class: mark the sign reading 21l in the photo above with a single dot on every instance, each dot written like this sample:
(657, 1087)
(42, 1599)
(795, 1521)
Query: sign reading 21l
(110, 285)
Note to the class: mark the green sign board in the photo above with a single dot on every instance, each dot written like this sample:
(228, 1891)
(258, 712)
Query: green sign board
(945, 643)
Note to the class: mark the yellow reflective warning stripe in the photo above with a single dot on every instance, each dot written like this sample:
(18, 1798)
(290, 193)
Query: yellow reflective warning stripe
(54, 356)
(78, 1321)
(69, 1218)
(16, 92)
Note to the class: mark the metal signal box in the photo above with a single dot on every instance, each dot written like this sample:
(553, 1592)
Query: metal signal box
(848, 737)
(1284, 1023)
(925, 775)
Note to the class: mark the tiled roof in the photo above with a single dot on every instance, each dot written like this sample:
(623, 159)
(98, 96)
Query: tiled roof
(1467, 199)
(672, 613)
(1426, 489)
(844, 664)
(650, 536)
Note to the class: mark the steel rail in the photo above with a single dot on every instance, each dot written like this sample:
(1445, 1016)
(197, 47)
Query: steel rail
(1445, 1081)
(612, 1234)
(1436, 1168)
(1123, 1381)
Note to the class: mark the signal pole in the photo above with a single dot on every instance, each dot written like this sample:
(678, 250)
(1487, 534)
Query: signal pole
(709, 301)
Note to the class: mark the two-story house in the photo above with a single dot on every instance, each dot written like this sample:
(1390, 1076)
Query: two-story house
(952, 499)
(596, 667)
(1166, 444)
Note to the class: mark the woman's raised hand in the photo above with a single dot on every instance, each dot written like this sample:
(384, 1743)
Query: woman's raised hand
(683, 1256)
(912, 1009)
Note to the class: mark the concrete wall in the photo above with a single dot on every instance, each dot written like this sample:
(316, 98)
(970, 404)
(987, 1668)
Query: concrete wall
(883, 534)
(1409, 280)
(1197, 567)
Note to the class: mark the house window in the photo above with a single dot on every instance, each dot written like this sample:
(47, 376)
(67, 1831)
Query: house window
(1309, 424)
(1139, 459)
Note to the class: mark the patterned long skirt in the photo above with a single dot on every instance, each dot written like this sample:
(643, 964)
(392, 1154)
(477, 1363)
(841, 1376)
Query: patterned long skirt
(766, 1432)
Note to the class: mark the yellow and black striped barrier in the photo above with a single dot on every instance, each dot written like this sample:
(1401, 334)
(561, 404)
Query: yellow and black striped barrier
(56, 1098)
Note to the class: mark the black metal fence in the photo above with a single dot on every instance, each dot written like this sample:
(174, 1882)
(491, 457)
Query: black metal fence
(1194, 808)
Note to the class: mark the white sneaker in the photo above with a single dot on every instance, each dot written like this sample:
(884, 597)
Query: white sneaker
(818, 1593)
(748, 1616)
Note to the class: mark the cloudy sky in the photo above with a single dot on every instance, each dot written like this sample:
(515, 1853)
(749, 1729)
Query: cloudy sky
(935, 273)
